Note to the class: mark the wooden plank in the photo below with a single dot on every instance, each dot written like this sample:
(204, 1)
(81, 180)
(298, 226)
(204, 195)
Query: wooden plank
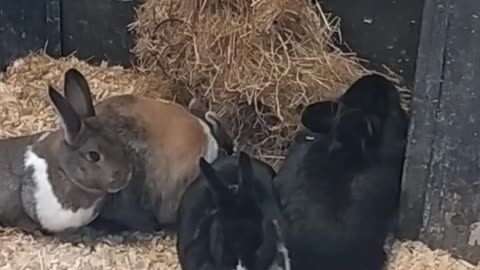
(428, 81)
(452, 205)
(24, 28)
(54, 28)
(385, 32)
(441, 187)
(97, 30)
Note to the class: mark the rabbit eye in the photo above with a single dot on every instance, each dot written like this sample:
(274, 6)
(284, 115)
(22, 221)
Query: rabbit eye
(93, 156)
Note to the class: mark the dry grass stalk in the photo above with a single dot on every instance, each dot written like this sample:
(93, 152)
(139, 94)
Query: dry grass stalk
(256, 62)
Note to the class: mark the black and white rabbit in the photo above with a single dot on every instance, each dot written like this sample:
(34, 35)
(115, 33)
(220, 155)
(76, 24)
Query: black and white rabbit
(57, 181)
(229, 218)
(164, 142)
(339, 186)
(215, 123)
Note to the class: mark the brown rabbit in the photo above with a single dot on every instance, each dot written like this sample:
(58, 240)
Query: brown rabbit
(164, 141)
(57, 181)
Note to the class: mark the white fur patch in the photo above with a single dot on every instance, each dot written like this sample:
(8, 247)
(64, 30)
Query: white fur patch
(212, 145)
(240, 266)
(50, 213)
(286, 259)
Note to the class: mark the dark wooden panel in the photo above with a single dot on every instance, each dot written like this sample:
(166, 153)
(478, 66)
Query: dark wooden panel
(453, 197)
(54, 27)
(385, 32)
(27, 25)
(428, 81)
(97, 30)
(450, 176)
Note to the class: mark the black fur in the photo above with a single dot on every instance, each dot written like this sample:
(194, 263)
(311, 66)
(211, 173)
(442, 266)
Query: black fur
(227, 214)
(339, 186)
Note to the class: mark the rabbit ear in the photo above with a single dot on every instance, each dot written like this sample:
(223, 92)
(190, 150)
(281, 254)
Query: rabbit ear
(372, 94)
(220, 132)
(360, 129)
(216, 242)
(245, 164)
(320, 116)
(245, 172)
(70, 120)
(266, 252)
(196, 107)
(202, 230)
(78, 93)
(248, 185)
(220, 191)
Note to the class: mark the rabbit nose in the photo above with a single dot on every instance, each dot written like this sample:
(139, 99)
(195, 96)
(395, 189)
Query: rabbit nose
(119, 181)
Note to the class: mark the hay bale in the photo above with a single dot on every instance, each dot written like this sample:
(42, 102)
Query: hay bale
(258, 63)
(24, 110)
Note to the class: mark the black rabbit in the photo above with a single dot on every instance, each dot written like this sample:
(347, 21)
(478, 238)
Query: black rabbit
(339, 186)
(229, 219)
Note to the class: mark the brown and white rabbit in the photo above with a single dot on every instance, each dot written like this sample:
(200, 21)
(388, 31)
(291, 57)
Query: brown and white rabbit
(57, 181)
(164, 142)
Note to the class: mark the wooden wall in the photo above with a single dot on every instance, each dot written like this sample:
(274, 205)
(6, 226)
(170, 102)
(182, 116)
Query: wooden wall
(94, 29)
(28, 25)
(384, 32)
(441, 196)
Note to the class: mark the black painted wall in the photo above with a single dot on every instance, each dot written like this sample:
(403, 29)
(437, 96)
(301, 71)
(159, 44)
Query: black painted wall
(27, 25)
(385, 32)
(92, 29)
(97, 30)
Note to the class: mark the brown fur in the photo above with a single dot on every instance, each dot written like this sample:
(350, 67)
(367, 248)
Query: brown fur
(170, 139)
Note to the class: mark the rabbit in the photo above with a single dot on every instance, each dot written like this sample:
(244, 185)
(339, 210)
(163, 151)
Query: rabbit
(56, 182)
(215, 123)
(163, 141)
(229, 218)
(339, 185)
